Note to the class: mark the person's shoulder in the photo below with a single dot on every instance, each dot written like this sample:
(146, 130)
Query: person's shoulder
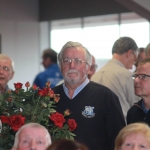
(53, 69)
(135, 112)
(103, 94)
(136, 106)
(96, 85)
(39, 75)
(53, 66)
(58, 87)
(112, 70)
(99, 87)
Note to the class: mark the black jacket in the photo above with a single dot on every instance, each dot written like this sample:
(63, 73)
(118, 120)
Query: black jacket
(137, 114)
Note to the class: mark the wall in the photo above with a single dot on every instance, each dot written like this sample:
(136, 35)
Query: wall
(19, 29)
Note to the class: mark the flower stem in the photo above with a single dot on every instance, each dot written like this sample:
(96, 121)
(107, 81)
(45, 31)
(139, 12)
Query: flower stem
(32, 118)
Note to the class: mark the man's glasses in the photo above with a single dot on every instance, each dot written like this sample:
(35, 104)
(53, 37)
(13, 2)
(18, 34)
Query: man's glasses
(141, 76)
(77, 61)
(4, 68)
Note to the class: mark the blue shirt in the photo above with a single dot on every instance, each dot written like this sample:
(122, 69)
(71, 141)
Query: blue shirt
(143, 107)
(52, 74)
(77, 90)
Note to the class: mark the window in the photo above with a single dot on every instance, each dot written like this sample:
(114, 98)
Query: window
(135, 27)
(64, 31)
(99, 33)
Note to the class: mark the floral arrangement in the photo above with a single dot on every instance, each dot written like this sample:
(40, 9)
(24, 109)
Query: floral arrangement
(21, 106)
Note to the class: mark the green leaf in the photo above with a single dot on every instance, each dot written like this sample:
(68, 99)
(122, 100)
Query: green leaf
(1, 97)
(40, 117)
(28, 107)
(65, 127)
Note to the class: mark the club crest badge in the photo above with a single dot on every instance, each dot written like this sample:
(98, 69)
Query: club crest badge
(88, 112)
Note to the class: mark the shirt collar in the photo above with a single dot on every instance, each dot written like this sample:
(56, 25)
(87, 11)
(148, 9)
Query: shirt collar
(143, 107)
(77, 90)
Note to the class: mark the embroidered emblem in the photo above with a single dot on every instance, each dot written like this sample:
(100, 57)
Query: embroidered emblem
(88, 112)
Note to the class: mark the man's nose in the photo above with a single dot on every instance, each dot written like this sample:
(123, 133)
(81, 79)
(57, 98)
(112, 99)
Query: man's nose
(135, 147)
(1, 70)
(72, 64)
(136, 79)
(33, 145)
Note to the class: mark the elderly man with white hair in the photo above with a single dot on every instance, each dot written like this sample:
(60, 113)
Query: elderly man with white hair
(32, 136)
(95, 108)
(6, 71)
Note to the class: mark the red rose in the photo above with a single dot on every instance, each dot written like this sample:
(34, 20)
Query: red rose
(42, 93)
(72, 124)
(48, 84)
(18, 85)
(34, 87)
(67, 112)
(27, 84)
(16, 122)
(51, 93)
(58, 119)
(4, 119)
(56, 99)
(47, 90)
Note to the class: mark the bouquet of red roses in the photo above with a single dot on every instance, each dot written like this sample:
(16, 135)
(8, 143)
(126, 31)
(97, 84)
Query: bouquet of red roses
(32, 105)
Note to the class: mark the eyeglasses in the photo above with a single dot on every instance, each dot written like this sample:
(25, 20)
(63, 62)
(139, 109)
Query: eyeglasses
(76, 61)
(93, 67)
(141, 76)
(4, 68)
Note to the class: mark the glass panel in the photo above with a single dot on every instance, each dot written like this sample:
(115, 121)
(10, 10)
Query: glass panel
(65, 30)
(99, 34)
(60, 37)
(99, 40)
(136, 27)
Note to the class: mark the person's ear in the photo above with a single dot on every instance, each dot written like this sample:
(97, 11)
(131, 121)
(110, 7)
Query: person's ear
(129, 53)
(88, 68)
(13, 148)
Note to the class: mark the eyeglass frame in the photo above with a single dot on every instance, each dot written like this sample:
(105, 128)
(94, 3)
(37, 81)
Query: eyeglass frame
(141, 76)
(73, 59)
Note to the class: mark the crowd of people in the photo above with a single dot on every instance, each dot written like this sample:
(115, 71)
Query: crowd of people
(111, 106)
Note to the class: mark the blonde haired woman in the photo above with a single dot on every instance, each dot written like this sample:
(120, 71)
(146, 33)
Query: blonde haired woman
(135, 136)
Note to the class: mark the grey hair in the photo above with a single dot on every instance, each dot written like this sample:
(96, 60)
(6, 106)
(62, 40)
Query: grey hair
(32, 125)
(123, 45)
(3, 56)
(147, 50)
(88, 56)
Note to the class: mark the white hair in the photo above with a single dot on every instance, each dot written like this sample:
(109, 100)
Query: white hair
(32, 125)
(88, 56)
(3, 56)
